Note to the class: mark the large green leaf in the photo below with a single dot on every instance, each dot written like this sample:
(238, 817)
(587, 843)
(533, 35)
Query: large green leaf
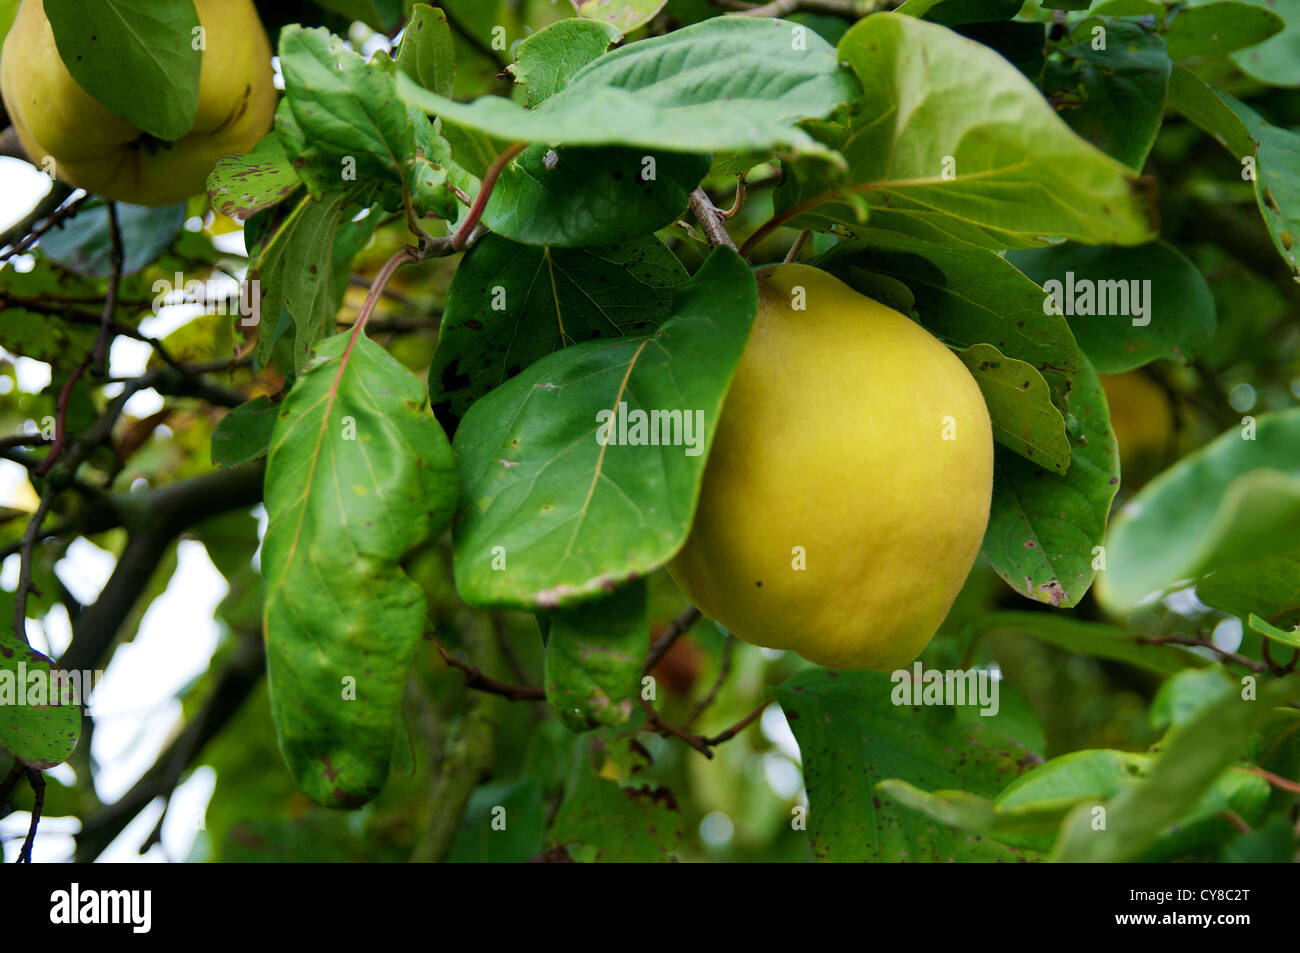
(1268, 587)
(951, 142)
(731, 83)
(550, 514)
(146, 40)
(1114, 96)
(349, 133)
(1276, 61)
(84, 245)
(359, 474)
(40, 715)
(594, 654)
(1089, 638)
(1100, 288)
(546, 60)
(242, 185)
(581, 196)
(1203, 105)
(1191, 760)
(1234, 500)
(510, 305)
(1277, 180)
(616, 821)
(851, 735)
(427, 53)
(503, 824)
(1020, 407)
(1218, 27)
(624, 15)
(1043, 527)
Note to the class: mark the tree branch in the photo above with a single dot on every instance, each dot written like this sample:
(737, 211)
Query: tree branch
(676, 630)
(711, 220)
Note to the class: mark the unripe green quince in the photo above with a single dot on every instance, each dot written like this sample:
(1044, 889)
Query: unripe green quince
(848, 488)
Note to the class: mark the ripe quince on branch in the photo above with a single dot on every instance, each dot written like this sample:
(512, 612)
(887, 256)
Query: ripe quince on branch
(849, 484)
(99, 151)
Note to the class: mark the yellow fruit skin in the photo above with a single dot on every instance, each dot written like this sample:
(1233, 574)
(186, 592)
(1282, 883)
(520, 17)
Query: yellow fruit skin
(1140, 415)
(102, 153)
(831, 439)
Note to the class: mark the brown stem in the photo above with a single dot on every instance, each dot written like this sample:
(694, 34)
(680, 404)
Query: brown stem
(459, 240)
(474, 678)
(37, 781)
(1274, 779)
(711, 220)
(676, 630)
(723, 671)
(1204, 643)
(60, 421)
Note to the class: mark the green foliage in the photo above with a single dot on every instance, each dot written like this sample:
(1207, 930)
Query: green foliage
(359, 474)
(529, 172)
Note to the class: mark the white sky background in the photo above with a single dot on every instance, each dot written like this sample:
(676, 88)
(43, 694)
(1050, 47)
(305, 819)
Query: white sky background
(135, 706)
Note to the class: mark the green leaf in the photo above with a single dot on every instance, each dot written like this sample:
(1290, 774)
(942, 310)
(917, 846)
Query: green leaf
(359, 474)
(594, 653)
(242, 185)
(40, 714)
(731, 83)
(1089, 638)
(146, 40)
(1099, 289)
(244, 434)
(1021, 43)
(573, 197)
(623, 15)
(608, 821)
(1191, 761)
(510, 305)
(1113, 97)
(969, 296)
(1234, 500)
(84, 245)
(1269, 587)
(1020, 407)
(1276, 61)
(546, 60)
(1273, 843)
(574, 518)
(1203, 105)
(428, 53)
(295, 253)
(1288, 637)
(1043, 527)
(503, 823)
(1277, 180)
(1218, 27)
(956, 12)
(1028, 827)
(1187, 693)
(930, 96)
(852, 735)
(348, 131)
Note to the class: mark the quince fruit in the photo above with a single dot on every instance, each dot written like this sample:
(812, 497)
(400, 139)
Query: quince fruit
(99, 151)
(848, 488)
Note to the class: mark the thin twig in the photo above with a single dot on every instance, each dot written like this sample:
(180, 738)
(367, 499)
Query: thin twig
(48, 213)
(724, 670)
(37, 781)
(657, 724)
(738, 727)
(61, 418)
(711, 220)
(678, 628)
(793, 254)
(1276, 780)
(110, 301)
(739, 201)
(474, 678)
(25, 556)
(461, 238)
(1202, 642)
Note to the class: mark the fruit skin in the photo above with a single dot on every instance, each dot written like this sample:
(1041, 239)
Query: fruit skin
(99, 151)
(831, 438)
(1140, 415)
